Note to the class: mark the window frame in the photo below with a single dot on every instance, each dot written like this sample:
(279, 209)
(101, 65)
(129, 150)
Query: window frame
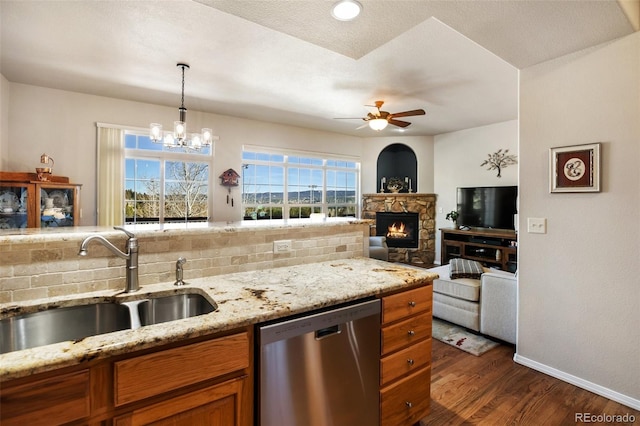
(163, 156)
(286, 205)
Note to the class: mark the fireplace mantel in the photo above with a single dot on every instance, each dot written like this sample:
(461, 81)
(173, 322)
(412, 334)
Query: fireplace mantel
(399, 194)
(424, 205)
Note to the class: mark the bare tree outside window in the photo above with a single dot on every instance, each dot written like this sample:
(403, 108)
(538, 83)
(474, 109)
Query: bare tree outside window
(186, 190)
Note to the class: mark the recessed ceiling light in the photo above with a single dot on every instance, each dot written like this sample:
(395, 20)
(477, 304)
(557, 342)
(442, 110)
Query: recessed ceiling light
(346, 10)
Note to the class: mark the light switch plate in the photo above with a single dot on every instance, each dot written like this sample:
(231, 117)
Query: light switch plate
(536, 225)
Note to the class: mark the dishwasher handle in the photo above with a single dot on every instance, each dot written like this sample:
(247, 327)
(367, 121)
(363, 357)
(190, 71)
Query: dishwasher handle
(326, 320)
(323, 333)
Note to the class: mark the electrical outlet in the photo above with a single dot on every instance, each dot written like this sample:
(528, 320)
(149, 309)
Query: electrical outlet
(282, 246)
(536, 225)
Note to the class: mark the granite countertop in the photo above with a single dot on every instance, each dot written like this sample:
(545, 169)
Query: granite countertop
(243, 299)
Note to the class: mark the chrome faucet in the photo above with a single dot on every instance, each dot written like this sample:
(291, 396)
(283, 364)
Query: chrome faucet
(131, 256)
(179, 274)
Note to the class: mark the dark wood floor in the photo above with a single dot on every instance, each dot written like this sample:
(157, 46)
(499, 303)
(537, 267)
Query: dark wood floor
(493, 390)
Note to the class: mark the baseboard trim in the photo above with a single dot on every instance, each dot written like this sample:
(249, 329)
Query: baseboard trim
(577, 381)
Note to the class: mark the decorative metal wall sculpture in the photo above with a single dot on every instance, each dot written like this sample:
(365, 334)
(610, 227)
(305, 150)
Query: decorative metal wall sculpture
(499, 160)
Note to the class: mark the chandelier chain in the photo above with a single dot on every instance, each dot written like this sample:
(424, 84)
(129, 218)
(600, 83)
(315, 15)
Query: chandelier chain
(182, 99)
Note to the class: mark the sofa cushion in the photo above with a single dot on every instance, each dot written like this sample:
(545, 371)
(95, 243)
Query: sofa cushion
(461, 288)
(465, 268)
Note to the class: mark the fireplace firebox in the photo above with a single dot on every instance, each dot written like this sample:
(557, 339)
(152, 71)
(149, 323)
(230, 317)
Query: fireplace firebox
(401, 229)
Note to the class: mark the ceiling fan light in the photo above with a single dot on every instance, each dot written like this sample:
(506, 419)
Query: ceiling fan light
(378, 124)
(346, 10)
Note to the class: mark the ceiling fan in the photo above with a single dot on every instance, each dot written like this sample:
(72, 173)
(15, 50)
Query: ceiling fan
(379, 119)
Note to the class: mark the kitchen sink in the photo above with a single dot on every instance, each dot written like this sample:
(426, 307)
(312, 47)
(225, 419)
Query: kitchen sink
(170, 308)
(61, 324)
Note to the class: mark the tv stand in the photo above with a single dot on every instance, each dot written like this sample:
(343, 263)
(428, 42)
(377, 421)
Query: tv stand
(491, 247)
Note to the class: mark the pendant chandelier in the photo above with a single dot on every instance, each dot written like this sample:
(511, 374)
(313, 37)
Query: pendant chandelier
(179, 137)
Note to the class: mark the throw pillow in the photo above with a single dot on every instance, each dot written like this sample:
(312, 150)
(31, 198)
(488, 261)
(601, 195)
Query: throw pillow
(464, 268)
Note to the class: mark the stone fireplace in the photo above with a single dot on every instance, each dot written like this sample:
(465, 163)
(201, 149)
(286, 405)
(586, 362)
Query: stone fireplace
(418, 210)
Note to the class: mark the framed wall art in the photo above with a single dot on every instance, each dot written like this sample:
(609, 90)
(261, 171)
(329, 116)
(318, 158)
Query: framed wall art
(575, 168)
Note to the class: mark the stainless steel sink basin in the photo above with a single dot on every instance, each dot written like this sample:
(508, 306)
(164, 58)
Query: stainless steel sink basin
(61, 324)
(77, 322)
(170, 308)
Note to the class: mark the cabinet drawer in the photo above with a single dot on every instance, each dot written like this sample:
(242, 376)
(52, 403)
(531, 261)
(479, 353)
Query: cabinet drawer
(407, 303)
(407, 401)
(56, 400)
(405, 333)
(406, 361)
(148, 375)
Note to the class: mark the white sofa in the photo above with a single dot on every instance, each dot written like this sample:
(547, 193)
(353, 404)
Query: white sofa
(487, 305)
(378, 248)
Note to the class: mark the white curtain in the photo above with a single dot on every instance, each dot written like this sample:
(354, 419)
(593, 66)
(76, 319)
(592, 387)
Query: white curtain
(110, 185)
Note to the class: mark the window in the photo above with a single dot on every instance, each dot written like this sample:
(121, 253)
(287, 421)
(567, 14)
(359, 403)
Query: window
(279, 186)
(164, 184)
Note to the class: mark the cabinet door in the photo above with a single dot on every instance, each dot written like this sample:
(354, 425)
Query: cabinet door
(55, 400)
(218, 405)
(56, 205)
(15, 207)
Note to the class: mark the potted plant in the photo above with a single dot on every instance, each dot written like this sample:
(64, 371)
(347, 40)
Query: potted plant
(453, 216)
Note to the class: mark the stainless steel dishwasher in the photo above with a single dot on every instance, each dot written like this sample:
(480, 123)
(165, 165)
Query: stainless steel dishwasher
(321, 369)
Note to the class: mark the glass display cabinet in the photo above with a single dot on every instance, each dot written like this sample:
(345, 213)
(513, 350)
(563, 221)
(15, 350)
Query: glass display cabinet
(26, 202)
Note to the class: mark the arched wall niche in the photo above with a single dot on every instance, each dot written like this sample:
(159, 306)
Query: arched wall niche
(400, 161)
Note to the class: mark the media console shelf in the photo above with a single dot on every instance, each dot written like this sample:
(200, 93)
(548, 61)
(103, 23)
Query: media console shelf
(491, 247)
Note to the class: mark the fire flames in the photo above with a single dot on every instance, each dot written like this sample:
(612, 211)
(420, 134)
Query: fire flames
(396, 230)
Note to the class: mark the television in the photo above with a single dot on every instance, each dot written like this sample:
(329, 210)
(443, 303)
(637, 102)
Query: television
(487, 206)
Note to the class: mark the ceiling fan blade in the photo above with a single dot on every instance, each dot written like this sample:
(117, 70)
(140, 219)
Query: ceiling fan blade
(398, 123)
(409, 113)
(348, 118)
(363, 126)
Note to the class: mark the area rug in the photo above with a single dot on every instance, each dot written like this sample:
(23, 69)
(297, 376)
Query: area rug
(461, 338)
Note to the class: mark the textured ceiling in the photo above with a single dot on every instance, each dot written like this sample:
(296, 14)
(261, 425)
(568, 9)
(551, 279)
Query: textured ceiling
(290, 62)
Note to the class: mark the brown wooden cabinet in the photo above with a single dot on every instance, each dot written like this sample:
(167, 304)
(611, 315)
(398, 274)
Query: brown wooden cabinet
(492, 248)
(58, 399)
(215, 405)
(26, 202)
(405, 363)
(206, 381)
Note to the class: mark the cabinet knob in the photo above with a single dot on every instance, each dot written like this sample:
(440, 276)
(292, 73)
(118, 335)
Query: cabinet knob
(412, 304)
(410, 361)
(408, 404)
(411, 333)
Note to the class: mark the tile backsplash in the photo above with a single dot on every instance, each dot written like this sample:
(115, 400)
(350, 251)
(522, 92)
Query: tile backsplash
(39, 265)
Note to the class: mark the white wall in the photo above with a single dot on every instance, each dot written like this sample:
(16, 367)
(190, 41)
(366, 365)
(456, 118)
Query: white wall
(4, 122)
(579, 284)
(63, 124)
(458, 158)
